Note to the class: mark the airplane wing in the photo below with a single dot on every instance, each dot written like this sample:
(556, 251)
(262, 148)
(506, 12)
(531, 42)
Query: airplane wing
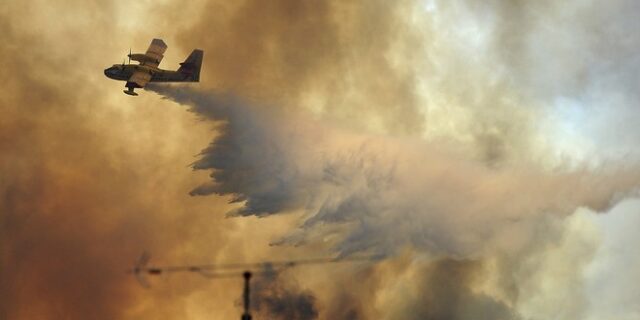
(139, 79)
(155, 53)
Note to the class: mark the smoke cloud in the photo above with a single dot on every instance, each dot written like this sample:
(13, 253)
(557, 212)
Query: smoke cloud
(380, 194)
(475, 143)
(443, 287)
(274, 298)
(389, 192)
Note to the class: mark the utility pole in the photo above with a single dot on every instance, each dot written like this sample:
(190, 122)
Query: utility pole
(246, 315)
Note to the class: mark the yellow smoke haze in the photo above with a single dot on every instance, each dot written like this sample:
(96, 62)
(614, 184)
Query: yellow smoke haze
(470, 142)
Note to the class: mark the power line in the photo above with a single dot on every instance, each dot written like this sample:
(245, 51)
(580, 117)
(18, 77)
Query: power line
(230, 270)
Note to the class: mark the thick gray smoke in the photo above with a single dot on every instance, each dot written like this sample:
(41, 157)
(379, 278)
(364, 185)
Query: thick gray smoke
(381, 194)
(500, 89)
(273, 297)
(446, 292)
(573, 62)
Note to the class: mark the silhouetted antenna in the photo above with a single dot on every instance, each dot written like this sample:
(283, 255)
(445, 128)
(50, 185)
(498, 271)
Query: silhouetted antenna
(230, 270)
(246, 315)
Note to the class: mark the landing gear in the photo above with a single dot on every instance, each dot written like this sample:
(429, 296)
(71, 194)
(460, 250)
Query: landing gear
(130, 91)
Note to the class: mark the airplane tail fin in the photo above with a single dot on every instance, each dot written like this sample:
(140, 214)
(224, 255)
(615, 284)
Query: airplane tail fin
(191, 66)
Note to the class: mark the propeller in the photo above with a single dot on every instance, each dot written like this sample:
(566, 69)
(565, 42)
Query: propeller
(129, 55)
(140, 269)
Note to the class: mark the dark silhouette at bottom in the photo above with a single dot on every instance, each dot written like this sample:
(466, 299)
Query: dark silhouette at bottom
(246, 315)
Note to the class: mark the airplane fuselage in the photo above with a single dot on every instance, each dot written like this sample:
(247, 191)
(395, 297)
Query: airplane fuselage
(123, 72)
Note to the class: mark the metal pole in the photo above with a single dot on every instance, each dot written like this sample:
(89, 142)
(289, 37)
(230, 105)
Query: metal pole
(246, 315)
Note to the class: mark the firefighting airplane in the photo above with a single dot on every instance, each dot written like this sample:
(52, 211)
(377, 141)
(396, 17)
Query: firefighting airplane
(137, 76)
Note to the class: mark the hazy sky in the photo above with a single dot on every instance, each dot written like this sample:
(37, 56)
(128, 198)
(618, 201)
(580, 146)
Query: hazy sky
(486, 148)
